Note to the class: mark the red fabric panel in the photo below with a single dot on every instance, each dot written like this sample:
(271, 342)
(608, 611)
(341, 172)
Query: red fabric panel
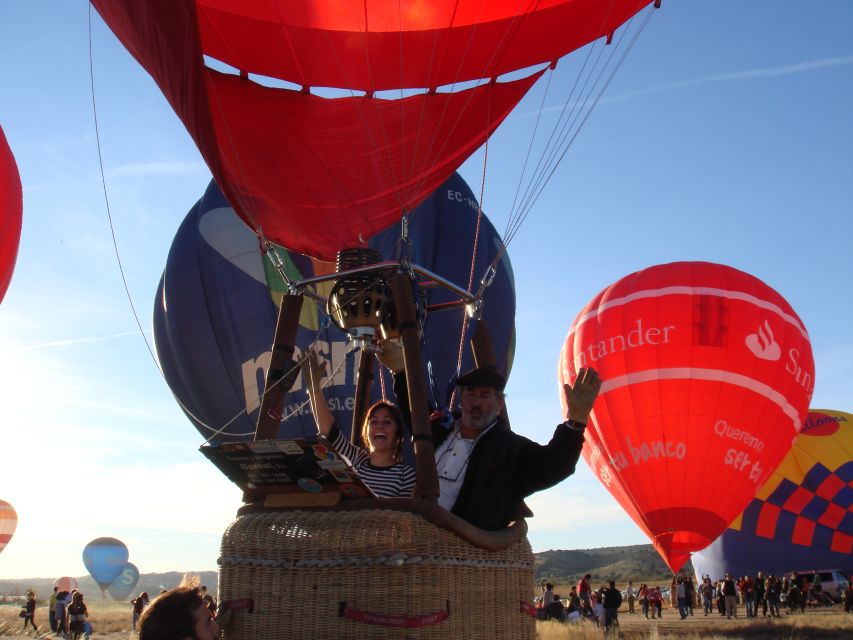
(829, 487)
(842, 543)
(803, 532)
(833, 516)
(376, 44)
(319, 174)
(766, 527)
(11, 207)
(798, 500)
(315, 174)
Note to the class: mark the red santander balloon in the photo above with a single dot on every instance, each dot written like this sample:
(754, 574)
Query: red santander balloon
(707, 376)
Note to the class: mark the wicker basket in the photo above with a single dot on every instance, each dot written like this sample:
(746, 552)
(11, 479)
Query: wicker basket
(369, 574)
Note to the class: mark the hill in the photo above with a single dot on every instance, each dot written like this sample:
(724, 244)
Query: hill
(640, 563)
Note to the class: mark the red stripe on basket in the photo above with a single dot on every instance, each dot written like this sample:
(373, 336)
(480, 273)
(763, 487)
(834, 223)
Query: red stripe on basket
(407, 622)
(529, 609)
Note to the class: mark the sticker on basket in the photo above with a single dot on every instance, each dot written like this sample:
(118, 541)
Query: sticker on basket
(290, 448)
(332, 464)
(341, 475)
(310, 485)
(353, 491)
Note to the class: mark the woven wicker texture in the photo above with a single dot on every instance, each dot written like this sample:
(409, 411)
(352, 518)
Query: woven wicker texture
(299, 565)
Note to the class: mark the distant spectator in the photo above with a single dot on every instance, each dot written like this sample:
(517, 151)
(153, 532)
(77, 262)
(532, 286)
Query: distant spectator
(29, 610)
(554, 610)
(584, 592)
(774, 595)
(548, 595)
(63, 599)
(51, 609)
(730, 596)
(139, 603)
(179, 614)
(77, 614)
(630, 594)
(643, 594)
(681, 597)
(574, 601)
(760, 594)
(847, 598)
(612, 602)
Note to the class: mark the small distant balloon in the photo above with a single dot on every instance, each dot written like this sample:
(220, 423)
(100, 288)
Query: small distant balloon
(65, 584)
(105, 558)
(8, 523)
(122, 587)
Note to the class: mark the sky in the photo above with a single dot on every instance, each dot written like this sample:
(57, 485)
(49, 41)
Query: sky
(725, 136)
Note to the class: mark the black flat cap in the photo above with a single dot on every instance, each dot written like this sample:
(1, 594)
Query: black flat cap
(482, 377)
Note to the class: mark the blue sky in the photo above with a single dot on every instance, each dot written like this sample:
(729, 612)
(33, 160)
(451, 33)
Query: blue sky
(726, 136)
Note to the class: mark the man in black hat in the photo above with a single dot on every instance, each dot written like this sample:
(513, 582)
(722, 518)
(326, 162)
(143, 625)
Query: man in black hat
(485, 470)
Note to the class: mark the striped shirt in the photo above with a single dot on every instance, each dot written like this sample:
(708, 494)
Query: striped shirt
(397, 481)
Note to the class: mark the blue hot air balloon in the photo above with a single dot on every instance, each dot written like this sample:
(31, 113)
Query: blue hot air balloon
(105, 558)
(123, 585)
(215, 312)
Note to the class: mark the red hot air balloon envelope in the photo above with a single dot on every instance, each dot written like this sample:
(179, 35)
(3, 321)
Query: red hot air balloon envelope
(317, 174)
(708, 373)
(11, 207)
(8, 523)
(802, 517)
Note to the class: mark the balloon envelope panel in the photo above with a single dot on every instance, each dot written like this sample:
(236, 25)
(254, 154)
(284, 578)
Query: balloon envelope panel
(11, 211)
(104, 559)
(123, 585)
(8, 523)
(707, 374)
(318, 173)
(65, 583)
(216, 309)
(802, 517)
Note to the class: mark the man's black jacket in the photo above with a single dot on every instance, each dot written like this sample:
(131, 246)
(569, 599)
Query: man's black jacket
(504, 468)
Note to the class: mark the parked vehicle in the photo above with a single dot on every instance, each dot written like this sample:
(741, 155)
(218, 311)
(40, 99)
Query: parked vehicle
(832, 582)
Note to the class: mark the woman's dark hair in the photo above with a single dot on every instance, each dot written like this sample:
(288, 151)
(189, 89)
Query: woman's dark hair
(171, 616)
(396, 416)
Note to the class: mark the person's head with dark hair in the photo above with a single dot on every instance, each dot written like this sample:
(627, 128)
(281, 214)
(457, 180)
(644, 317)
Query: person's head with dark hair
(179, 614)
(383, 428)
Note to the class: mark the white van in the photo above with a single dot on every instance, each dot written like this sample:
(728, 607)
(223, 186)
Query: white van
(832, 581)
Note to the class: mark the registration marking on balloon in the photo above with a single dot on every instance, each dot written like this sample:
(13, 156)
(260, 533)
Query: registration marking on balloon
(707, 375)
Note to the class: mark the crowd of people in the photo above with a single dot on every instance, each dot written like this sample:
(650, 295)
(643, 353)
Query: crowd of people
(759, 594)
(67, 614)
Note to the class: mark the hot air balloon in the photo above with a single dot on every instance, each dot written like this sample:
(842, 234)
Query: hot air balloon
(707, 373)
(8, 523)
(802, 517)
(11, 206)
(414, 89)
(215, 312)
(123, 585)
(65, 583)
(105, 558)
(316, 174)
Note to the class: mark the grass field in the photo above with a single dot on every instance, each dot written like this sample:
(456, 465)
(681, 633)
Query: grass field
(111, 621)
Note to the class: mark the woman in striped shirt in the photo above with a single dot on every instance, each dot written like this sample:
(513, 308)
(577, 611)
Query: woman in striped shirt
(380, 465)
